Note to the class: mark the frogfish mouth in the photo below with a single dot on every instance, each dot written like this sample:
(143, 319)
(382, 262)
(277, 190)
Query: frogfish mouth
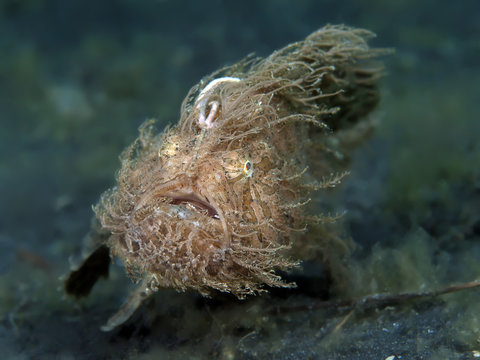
(228, 197)
(194, 202)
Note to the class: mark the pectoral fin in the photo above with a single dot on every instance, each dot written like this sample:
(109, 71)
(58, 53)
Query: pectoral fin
(133, 302)
(80, 282)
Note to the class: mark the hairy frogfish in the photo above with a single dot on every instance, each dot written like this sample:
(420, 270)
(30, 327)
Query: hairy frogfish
(227, 199)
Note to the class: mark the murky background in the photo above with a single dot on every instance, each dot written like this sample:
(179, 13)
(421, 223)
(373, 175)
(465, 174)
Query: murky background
(78, 77)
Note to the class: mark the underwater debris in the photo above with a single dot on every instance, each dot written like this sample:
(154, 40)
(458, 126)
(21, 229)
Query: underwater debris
(222, 200)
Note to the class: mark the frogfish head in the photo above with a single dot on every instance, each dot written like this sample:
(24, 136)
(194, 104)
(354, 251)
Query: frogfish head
(191, 211)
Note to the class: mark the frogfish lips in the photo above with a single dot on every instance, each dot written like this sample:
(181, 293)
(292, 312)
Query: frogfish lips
(194, 202)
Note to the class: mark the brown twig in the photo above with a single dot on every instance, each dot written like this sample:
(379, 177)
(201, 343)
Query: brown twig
(377, 300)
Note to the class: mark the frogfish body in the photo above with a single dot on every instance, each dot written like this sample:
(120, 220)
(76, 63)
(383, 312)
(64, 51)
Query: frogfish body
(224, 199)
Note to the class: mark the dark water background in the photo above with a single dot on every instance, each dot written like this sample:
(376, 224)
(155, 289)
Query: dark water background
(77, 78)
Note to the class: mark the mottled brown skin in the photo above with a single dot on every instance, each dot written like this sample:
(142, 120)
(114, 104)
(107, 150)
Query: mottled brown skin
(221, 204)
